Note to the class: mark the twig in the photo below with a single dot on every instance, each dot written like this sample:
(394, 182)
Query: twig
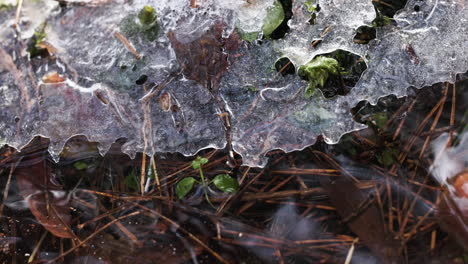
(190, 235)
(127, 44)
(435, 122)
(349, 256)
(7, 186)
(38, 245)
(18, 13)
(92, 235)
(452, 113)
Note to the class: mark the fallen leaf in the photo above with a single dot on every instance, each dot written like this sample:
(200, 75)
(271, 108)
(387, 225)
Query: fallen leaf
(53, 77)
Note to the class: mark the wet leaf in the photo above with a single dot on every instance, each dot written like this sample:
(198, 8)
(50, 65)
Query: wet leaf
(275, 17)
(362, 215)
(147, 15)
(80, 165)
(317, 72)
(47, 200)
(53, 77)
(198, 162)
(203, 60)
(310, 6)
(226, 183)
(184, 187)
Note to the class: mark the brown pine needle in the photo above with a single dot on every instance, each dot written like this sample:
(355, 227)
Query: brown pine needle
(18, 13)
(127, 44)
(92, 235)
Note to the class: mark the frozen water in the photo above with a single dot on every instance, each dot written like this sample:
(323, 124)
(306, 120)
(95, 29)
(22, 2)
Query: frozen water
(126, 80)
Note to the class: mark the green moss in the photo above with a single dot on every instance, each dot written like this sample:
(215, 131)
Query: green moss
(317, 72)
(380, 119)
(388, 157)
(146, 27)
(39, 36)
(4, 6)
(275, 16)
(251, 88)
(147, 15)
(381, 21)
(310, 6)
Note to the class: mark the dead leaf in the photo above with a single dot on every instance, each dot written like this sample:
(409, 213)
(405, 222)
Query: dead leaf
(363, 219)
(53, 77)
(204, 59)
(47, 200)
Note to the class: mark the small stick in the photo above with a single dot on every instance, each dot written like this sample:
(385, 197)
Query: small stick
(433, 239)
(155, 171)
(190, 235)
(127, 232)
(400, 125)
(434, 123)
(36, 248)
(7, 186)
(18, 12)
(336, 165)
(383, 3)
(143, 173)
(351, 252)
(92, 235)
(127, 44)
(452, 114)
(99, 217)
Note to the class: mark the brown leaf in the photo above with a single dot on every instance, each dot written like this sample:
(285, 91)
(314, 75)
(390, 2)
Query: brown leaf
(53, 77)
(363, 219)
(460, 183)
(204, 59)
(47, 200)
(453, 217)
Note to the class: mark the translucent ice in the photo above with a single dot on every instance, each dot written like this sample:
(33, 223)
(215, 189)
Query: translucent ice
(165, 88)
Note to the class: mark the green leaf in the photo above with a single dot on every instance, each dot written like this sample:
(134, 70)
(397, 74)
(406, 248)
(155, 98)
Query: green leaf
(380, 119)
(274, 18)
(381, 21)
(388, 157)
(310, 6)
(80, 165)
(184, 186)
(131, 181)
(317, 72)
(198, 162)
(226, 183)
(147, 15)
(248, 36)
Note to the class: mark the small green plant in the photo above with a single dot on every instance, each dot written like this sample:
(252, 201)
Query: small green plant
(381, 21)
(80, 165)
(317, 72)
(388, 157)
(223, 182)
(310, 6)
(131, 181)
(379, 119)
(147, 15)
(146, 25)
(39, 36)
(5, 6)
(251, 88)
(274, 18)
